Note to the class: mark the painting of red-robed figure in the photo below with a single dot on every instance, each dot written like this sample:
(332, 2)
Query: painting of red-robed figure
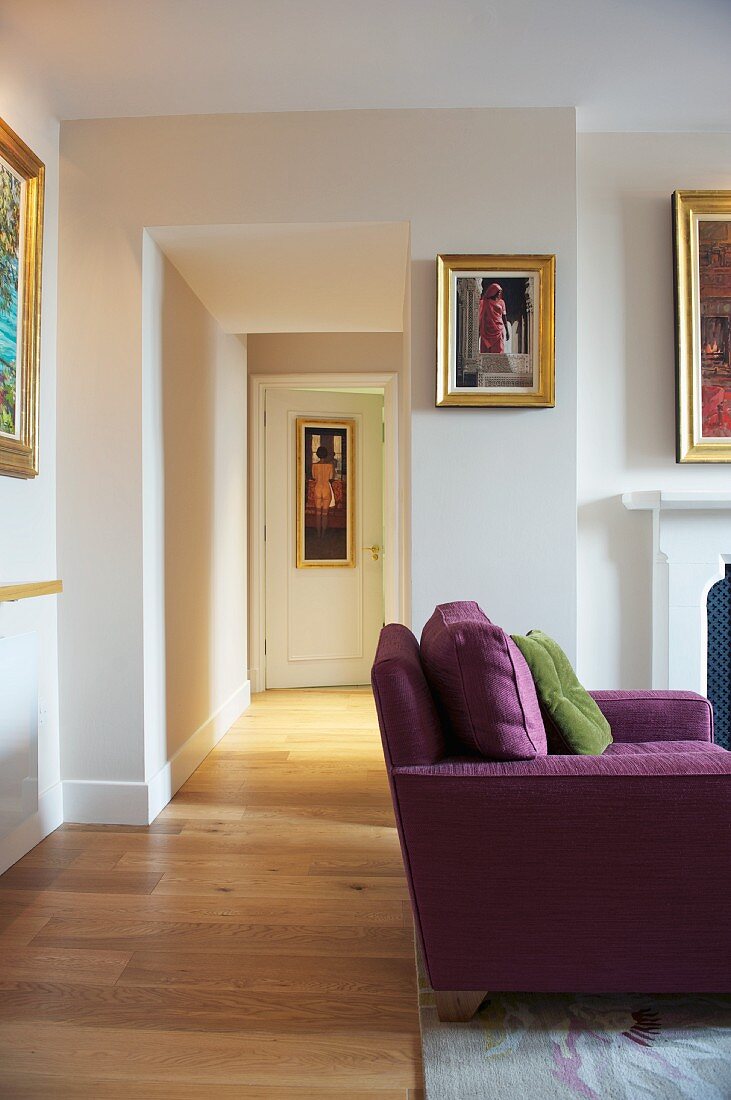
(714, 267)
(495, 330)
(494, 337)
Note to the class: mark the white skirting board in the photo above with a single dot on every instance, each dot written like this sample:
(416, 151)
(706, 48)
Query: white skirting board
(95, 802)
(48, 817)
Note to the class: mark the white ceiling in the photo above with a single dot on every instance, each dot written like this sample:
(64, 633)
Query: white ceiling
(334, 277)
(625, 64)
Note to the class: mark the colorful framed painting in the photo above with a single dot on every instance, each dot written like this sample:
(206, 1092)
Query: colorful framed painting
(21, 243)
(325, 493)
(495, 330)
(702, 246)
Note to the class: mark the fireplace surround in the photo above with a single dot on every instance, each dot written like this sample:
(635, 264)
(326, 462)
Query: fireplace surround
(691, 535)
(719, 657)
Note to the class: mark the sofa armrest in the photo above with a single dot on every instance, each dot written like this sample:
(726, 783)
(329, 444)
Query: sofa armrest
(570, 873)
(656, 715)
(652, 764)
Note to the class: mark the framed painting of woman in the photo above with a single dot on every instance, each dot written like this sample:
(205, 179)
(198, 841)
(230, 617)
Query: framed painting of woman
(21, 242)
(325, 493)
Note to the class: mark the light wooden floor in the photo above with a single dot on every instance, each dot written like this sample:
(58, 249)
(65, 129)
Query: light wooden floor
(255, 942)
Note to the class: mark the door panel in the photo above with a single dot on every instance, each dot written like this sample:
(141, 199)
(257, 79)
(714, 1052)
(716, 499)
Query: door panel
(322, 623)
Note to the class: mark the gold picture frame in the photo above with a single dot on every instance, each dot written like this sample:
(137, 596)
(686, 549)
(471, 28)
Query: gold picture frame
(702, 282)
(22, 180)
(496, 347)
(325, 497)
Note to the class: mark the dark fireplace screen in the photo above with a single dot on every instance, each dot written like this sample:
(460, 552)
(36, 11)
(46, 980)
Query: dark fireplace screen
(719, 656)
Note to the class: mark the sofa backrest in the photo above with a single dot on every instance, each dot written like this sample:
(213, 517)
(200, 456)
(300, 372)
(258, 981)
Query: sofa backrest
(410, 728)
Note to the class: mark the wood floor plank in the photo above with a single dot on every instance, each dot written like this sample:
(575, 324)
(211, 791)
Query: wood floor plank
(50, 855)
(248, 836)
(22, 877)
(317, 912)
(389, 868)
(78, 965)
(288, 973)
(157, 826)
(231, 936)
(111, 881)
(184, 810)
(20, 931)
(37, 1086)
(225, 864)
(184, 883)
(244, 755)
(94, 859)
(206, 1007)
(252, 1058)
(255, 942)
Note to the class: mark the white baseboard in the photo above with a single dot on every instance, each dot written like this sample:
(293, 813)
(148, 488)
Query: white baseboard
(47, 817)
(95, 802)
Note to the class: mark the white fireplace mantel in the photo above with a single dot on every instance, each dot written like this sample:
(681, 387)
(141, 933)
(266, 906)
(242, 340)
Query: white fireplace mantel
(659, 500)
(691, 536)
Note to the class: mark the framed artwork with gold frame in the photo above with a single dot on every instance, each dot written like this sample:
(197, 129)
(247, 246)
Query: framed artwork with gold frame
(325, 493)
(495, 331)
(21, 244)
(702, 268)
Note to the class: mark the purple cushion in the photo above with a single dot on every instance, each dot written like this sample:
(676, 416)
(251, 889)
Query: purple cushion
(482, 684)
(407, 715)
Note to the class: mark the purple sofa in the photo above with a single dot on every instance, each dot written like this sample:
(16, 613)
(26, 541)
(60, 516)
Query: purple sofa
(606, 873)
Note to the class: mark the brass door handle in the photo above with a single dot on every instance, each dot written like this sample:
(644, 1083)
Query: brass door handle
(375, 551)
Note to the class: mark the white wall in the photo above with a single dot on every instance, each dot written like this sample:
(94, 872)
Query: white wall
(627, 380)
(318, 352)
(281, 277)
(484, 481)
(194, 554)
(204, 432)
(28, 507)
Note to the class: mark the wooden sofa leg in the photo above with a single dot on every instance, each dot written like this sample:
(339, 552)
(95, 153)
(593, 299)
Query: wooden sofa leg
(458, 1006)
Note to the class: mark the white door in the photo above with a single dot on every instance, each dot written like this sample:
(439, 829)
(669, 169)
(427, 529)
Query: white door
(322, 621)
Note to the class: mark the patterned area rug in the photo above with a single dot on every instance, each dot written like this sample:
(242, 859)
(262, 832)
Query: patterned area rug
(523, 1046)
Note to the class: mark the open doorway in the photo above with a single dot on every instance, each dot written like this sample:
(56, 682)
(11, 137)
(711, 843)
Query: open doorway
(323, 579)
(332, 300)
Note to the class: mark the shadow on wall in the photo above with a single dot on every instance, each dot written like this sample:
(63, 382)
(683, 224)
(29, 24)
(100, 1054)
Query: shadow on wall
(615, 650)
(423, 364)
(204, 424)
(18, 731)
(649, 340)
(631, 296)
(189, 431)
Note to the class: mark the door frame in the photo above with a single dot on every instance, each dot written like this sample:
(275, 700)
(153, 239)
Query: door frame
(394, 581)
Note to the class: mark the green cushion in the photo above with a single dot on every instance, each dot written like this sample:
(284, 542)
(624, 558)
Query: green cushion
(574, 723)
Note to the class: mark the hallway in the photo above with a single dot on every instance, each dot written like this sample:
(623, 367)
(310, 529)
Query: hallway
(254, 942)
